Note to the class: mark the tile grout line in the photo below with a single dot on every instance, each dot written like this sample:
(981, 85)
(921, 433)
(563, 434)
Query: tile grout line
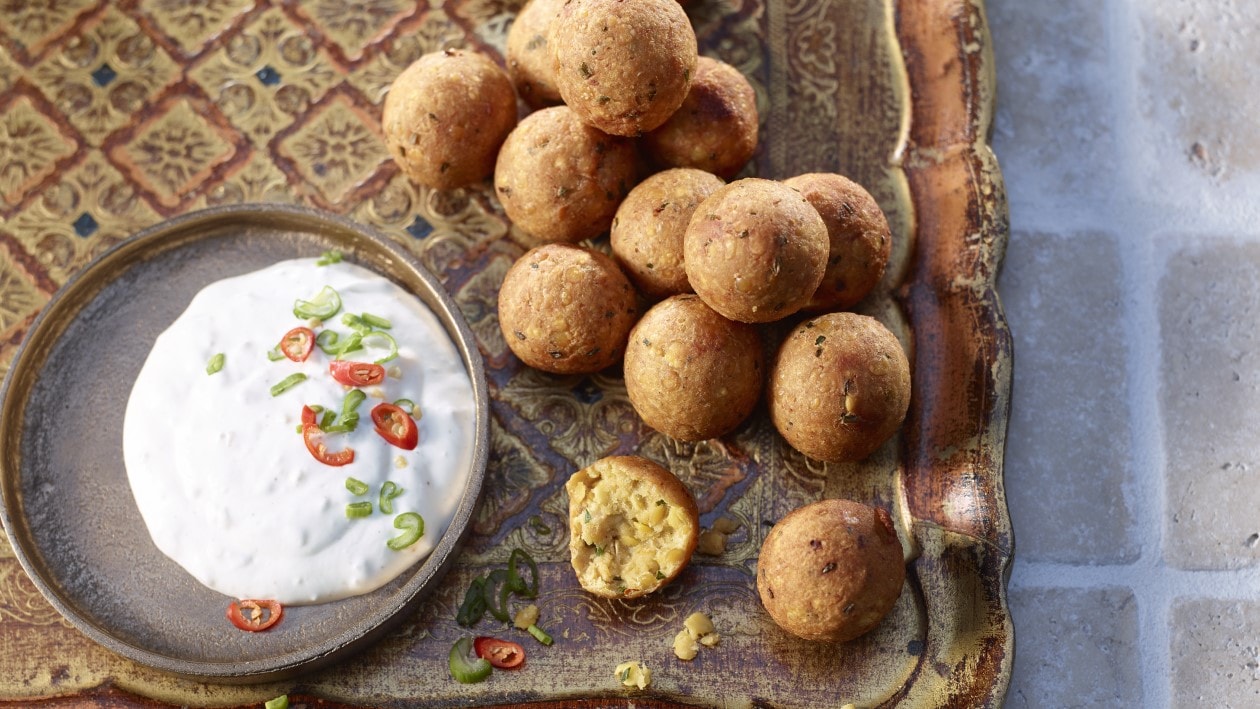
(1150, 582)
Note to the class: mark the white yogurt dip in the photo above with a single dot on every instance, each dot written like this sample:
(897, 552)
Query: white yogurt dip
(223, 478)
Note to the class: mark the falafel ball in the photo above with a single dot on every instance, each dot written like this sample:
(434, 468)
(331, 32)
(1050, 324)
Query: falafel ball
(446, 116)
(691, 373)
(860, 239)
(831, 570)
(566, 309)
(625, 66)
(561, 180)
(839, 387)
(755, 250)
(647, 232)
(529, 57)
(715, 129)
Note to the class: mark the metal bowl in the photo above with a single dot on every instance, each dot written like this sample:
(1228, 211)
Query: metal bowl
(64, 496)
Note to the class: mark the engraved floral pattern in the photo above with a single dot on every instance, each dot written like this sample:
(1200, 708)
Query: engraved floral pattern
(266, 76)
(191, 23)
(47, 226)
(99, 101)
(35, 24)
(174, 154)
(430, 32)
(337, 150)
(19, 298)
(353, 25)
(31, 145)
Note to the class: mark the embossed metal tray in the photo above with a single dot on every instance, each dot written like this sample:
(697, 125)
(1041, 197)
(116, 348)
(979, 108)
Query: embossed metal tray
(897, 94)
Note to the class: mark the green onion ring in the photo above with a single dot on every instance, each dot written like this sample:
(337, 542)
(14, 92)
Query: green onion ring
(467, 671)
(540, 635)
(389, 491)
(356, 323)
(328, 257)
(326, 340)
(287, 383)
(325, 304)
(491, 590)
(390, 345)
(275, 355)
(358, 510)
(356, 487)
(376, 321)
(352, 343)
(514, 579)
(280, 702)
(407, 405)
(474, 604)
(413, 524)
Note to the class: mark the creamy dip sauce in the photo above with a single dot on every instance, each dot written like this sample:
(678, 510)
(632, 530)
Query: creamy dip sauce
(223, 478)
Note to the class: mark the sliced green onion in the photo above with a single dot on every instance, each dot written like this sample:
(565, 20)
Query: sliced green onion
(540, 635)
(464, 670)
(352, 343)
(539, 525)
(388, 492)
(407, 405)
(348, 419)
(376, 321)
(356, 323)
(280, 702)
(275, 355)
(327, 258)
(216, 363)
(358, 510)
(514, 580)
(357, 487)
(490, 592)
(325, 304)
(474, 604)
(326, 340)
(413, 526)
(327, 420)
(386, 343)
(287, 383)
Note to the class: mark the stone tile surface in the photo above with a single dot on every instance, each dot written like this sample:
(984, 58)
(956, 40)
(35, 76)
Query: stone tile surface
(1209, 302)
(1195, 91)
(1067, 452)
(1076, 648)
(1215, 648)
(1054, 123)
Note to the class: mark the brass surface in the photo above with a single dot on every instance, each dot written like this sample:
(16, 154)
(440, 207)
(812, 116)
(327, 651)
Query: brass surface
(229, 101)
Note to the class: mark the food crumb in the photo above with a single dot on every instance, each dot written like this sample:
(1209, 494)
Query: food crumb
(685, 647)
(711, 543)
(697, 630)
(526, 617)
(634, 674)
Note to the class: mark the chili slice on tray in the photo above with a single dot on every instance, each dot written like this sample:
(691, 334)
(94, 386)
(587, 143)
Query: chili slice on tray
(298, 343)
(396, 426)
(356, 374)
(314, 438)
(503, 654)
(464, 669)
(254, 614)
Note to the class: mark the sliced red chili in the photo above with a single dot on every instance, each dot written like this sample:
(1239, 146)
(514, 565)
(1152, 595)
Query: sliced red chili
(503, 654)
(308, 416)
(254, 615)
(357, 374)
(314, 438)
(298, 343)
(396, 426)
